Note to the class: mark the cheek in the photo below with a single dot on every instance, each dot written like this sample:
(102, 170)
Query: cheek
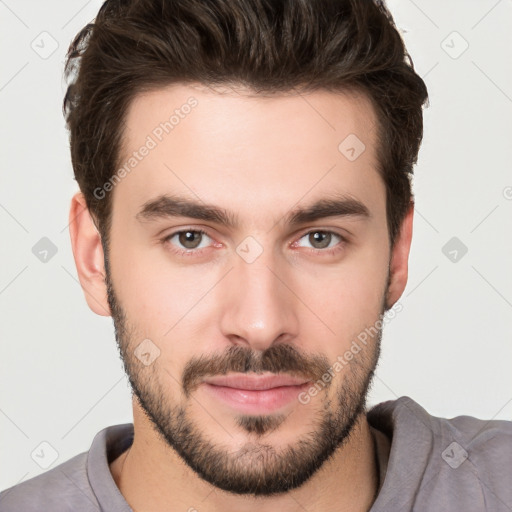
(347, 297)
(165, 303)
(152, 289)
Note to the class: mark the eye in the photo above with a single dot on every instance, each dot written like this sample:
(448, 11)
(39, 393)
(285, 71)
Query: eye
(192, 241)
(322, 240)
(187, 240)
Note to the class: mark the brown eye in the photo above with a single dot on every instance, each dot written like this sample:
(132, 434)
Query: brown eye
(189, 239)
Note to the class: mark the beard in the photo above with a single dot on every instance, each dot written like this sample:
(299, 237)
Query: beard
(258, 468)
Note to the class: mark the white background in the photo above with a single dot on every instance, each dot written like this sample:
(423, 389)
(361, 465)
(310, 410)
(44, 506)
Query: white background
(449, 349)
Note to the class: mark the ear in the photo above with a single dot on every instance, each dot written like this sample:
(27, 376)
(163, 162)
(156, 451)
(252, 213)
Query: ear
(398, 267)
(88, 254)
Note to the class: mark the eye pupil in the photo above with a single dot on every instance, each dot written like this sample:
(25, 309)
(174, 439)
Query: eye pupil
(324, 239)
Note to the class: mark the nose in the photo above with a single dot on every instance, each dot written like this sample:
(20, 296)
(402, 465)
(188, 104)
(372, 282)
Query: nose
(260, 308)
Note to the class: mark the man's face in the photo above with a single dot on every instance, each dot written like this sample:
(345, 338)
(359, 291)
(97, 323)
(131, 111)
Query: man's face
(265, 295)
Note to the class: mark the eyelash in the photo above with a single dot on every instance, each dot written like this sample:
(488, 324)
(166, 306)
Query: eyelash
(190, 252)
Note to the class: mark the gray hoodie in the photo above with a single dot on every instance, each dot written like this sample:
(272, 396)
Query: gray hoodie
(434, 465)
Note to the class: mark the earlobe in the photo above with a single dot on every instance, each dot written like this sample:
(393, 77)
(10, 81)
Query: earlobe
(400, 259)
(88, 255)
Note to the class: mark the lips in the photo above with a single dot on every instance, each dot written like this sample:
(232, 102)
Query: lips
(254, 394)
(255, 382)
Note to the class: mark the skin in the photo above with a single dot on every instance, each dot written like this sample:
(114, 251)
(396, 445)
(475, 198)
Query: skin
(258, 157)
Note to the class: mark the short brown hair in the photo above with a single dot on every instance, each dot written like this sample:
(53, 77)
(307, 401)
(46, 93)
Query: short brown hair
(269, 46)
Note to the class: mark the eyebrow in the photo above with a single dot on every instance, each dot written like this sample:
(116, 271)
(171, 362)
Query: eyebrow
(166, 206)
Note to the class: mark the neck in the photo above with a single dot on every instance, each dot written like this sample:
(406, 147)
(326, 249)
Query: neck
(151, 476)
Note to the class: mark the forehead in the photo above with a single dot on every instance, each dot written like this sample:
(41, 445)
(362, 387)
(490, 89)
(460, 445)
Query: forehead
(252, 152)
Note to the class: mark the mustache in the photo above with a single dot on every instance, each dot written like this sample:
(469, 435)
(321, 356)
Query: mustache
(276, 359)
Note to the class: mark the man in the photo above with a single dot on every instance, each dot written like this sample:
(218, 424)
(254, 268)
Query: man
(245, 216)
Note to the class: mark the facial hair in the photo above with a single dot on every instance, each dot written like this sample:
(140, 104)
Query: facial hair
(258, 468)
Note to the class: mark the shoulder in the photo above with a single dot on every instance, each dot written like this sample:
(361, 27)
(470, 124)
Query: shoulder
(63, 488)
(404, 413)
(489, 441)
(485, 446)
(83, 482)
(477, 452)
(461, 461)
